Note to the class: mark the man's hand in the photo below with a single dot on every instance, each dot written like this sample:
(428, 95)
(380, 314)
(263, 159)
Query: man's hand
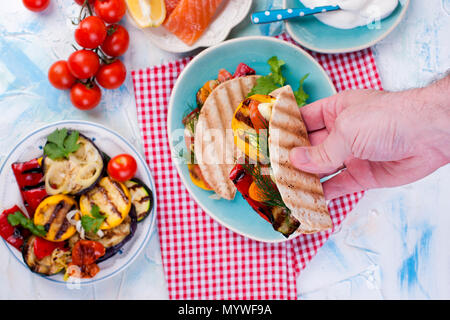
(384, 139)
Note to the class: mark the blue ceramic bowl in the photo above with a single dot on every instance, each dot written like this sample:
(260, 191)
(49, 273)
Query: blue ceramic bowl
(317, 36)
(237, 215)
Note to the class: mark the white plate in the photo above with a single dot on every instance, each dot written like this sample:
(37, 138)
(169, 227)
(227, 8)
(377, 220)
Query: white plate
(228, 15)
(109, 142)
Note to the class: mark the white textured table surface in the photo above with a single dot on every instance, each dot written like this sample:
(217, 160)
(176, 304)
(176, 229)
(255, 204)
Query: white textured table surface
(393, 245)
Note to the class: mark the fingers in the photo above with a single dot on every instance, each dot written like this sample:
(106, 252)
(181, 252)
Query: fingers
(318, 137)
(322, 113)
(359, 175)
(313, 113)
(325, 157)
(340, 185)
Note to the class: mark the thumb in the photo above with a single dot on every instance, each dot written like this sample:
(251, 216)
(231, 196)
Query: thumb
(324, 158)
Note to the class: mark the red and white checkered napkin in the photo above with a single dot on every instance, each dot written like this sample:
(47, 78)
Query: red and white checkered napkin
(202, 259)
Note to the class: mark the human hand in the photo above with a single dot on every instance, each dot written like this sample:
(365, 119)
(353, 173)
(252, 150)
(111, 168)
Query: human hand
(384, 139)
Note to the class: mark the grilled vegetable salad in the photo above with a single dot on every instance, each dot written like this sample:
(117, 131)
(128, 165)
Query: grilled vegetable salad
(253, 114)
(76, 214)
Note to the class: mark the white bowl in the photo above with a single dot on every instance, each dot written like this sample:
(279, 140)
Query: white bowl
(109, 142)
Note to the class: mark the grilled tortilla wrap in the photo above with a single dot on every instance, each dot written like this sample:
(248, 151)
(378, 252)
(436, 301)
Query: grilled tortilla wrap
(302, 192)
(214, 144)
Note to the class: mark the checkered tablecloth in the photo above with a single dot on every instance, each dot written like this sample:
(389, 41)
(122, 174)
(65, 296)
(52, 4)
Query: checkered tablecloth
(202, 259)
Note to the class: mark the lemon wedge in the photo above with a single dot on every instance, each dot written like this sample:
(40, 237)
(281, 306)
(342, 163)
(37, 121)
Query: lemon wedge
(147, 13)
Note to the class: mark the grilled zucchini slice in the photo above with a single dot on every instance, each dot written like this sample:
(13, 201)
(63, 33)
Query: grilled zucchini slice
(52, 214)
(141, 197)
(76, 174)
(113, 200)
(47, 266)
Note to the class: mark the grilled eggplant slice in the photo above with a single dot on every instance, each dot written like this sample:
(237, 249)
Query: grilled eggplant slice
(78, 173)
(113, 200)
(141, 197)
(114, 239)
(47, 266)
(52, 214)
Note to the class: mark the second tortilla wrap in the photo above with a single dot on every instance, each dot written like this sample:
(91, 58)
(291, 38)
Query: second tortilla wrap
(301, 191)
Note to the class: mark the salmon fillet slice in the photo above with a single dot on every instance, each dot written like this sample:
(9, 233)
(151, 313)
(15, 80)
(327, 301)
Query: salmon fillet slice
(190, 19)
(170, 6)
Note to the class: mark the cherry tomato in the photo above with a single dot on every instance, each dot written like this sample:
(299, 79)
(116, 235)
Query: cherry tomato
(85, 97)
(111, 76)
(81, 2)
(83, 64)
(111, 11)
(36, 5)
(122, 167)
(91, 32)
(117, 41)
(86, 252)
(60, 76)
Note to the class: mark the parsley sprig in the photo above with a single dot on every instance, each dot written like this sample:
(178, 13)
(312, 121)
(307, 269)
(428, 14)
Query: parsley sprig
(274, 80)
(60, 143)
(93, 223)
(17, 218)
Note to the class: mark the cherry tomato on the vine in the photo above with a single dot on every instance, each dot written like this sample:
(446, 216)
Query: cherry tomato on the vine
(111, 11)
(112, 75)
(91, 32)
(117, 41)
(85, 96)
(60, 76)
(83, 64)
(36, 5)
(122, 167)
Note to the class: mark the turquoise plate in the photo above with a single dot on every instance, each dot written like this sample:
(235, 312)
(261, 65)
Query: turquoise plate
(317, 36)
(237, 215)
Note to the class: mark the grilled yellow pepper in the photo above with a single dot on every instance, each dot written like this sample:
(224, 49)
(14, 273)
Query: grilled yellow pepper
(52, 214)
(246, 125)
(113, 199)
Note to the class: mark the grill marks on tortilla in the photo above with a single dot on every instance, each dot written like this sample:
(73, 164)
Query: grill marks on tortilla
(302, 192)
(216, 155)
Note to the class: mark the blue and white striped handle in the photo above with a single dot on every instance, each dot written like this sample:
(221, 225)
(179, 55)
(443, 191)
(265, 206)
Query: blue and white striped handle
(269, 16)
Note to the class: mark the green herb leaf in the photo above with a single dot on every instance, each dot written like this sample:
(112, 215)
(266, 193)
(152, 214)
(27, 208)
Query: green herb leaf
(70, 142)
(17, 218)
(274, 80)
(264, 86)
(300, 95)
(60, 143)
(275, 67)
(92, 224)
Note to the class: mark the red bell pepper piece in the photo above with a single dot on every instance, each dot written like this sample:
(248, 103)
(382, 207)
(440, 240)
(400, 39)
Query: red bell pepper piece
(12, 235)
(29, 177)
(32, 198)
(28, 174)
(224, 75)
(243, 70)
(242, 180)
(44, 248)
(258, 121)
